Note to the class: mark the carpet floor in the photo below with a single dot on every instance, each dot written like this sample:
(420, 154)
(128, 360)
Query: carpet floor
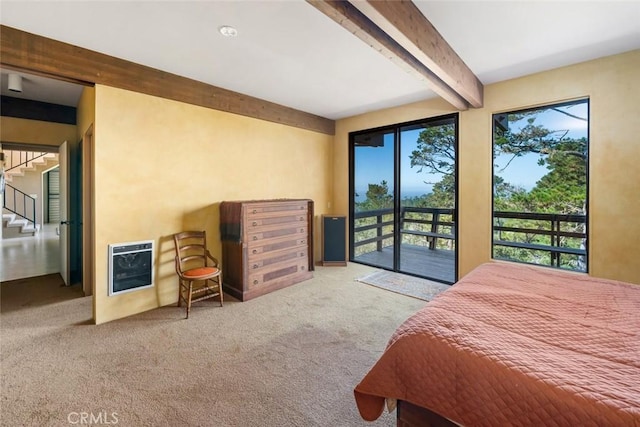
(289, 358)
(404, 284)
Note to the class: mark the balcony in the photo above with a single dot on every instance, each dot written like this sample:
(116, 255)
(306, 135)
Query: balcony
(426, 245)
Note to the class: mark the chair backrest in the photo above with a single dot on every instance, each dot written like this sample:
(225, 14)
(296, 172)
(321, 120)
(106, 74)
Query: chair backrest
(191, 249)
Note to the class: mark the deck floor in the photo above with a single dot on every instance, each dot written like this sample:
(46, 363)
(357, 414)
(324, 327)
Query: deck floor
(435, 264)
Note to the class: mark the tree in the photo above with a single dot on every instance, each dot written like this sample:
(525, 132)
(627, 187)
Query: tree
(536, 138)
(443, 194)
(436, 150)
(508, 197)
(378, 197)
(564, 188)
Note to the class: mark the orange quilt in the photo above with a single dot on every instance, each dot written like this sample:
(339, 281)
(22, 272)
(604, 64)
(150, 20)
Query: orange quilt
(520, 345)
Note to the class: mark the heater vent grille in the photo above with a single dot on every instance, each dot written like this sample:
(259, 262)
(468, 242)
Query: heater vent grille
(130, 266)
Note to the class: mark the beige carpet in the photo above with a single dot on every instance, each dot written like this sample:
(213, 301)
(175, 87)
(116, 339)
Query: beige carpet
(404, 284)
(289, 358)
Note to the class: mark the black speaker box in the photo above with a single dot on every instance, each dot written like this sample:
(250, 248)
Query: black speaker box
(334, 251)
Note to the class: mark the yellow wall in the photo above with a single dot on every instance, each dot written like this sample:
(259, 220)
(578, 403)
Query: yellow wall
(163, 166)
(614, 211)
(85, 111)
(26, 131)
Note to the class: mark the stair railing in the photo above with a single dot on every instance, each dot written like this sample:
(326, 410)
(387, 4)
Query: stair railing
(19, 203)
(25, 158)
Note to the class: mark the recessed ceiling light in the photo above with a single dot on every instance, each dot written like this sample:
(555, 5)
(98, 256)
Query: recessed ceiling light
(228, 31)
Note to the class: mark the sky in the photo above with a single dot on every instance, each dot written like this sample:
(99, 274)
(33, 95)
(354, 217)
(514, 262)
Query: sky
(374, 164)
(525, 171)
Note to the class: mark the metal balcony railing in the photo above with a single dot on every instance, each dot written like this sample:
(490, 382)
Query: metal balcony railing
(431, 223)
(557, 240)
(537, 236)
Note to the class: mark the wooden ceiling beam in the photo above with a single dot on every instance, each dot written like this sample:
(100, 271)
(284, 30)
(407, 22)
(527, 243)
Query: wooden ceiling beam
(405, 23)
(399, 31)
(37, 54)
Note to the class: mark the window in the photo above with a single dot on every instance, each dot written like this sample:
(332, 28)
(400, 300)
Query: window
(540, 164)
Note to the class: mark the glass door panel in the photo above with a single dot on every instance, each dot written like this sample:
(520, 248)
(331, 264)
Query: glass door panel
(373, 182)
(403, 198)
(427, 200)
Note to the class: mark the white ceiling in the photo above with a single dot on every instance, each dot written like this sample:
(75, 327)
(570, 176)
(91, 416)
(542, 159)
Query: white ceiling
(289, 53)
(43, 89)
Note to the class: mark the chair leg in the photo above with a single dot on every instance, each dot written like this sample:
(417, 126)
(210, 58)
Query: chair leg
(220, 289)
(179, 293)
(189, 298)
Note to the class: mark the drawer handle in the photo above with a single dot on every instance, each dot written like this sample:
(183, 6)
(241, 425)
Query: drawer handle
(301, 254)
(301, 207)
(255, 211)
(254, 223)
(255, 251)
(255, 265)
(301, 241)
(302, 230)
(255, 282)
(255, 237)
(301, 218)
(302, 267)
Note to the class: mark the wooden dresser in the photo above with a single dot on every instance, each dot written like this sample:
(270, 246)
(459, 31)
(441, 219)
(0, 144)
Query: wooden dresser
(266, 245)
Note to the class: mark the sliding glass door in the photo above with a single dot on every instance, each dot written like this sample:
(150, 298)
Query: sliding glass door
(373, 189)
(403, 188)
(427, 199)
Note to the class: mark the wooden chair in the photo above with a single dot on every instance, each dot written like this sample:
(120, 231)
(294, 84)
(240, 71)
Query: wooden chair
(198, 271)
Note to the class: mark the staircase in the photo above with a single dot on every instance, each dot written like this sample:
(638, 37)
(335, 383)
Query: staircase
(20, 163)
(23, 171)
(15, 226)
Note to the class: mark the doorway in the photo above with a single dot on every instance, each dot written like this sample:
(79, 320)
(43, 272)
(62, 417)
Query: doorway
(30, 244)
(54, 102)
(403, 198)
(58, 206)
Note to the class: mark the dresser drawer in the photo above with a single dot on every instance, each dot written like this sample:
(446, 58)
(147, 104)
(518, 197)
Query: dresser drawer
(294, 231)
(274, 273)
(266, 260)
(279, 220)
(275, 245)
(274, 209)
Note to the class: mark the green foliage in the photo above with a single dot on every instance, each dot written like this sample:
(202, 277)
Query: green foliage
(443, 193)
(435, 153)
(378, 197)
(564, 188)
(508, 197)
(436, 150)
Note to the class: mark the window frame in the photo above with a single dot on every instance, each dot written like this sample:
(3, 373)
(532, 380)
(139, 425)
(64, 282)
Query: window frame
(546, 105)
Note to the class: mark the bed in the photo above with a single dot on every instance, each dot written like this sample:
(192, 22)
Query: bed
(512, 344)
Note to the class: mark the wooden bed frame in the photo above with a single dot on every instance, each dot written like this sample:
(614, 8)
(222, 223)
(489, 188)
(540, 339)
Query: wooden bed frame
(410, 415)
